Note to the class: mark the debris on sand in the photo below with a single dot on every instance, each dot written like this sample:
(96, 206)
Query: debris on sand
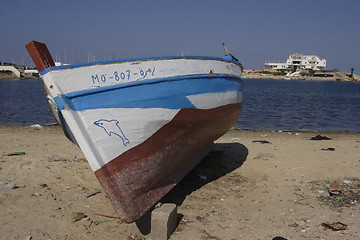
(335, 226)
(14, 154)
(339, 193)
(77, 216)
(319, 137)
(261, 141)
(9, 186)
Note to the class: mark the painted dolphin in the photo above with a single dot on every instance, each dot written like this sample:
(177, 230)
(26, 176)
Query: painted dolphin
(111, 127)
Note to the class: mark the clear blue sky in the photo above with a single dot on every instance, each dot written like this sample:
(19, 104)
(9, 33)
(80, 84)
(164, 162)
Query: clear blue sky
(255, 31)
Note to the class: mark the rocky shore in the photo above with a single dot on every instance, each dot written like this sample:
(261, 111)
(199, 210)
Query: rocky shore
(9, 75)
(325, 76)
(13, 71)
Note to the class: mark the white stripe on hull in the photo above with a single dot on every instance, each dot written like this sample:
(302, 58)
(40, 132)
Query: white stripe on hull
(93, 76)
(125, 129)
(217, 99)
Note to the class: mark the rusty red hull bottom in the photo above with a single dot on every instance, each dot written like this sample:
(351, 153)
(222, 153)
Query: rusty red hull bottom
(137, 179)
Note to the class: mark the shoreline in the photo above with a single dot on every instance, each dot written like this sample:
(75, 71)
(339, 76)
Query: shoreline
(13, 77)
(55, 124)
(337, 76)
(253, 185)
(293, 131)
(248, 73)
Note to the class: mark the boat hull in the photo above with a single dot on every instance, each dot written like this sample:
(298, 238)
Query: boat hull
(137, 179)
(142, 124)
(151, 148)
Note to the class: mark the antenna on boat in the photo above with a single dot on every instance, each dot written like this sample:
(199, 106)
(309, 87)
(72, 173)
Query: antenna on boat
(229, 56)
(226, 49)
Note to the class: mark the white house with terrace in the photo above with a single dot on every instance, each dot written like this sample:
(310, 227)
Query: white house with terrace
(299, 61)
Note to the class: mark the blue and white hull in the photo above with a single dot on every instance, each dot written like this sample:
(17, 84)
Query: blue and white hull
(143, 124)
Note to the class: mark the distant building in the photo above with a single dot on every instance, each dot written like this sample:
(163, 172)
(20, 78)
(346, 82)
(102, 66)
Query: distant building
(299, 61)
(60, 64)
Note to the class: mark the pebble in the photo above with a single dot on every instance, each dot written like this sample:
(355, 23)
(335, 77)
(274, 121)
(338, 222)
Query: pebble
(9, 186)
(36, 126)
(264, 156)
(347, 182)
(235, 139)
(55, 158)
(202, 177)
(77, 216)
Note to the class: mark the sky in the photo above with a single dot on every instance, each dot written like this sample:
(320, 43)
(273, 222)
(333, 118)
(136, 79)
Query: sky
(254, 31)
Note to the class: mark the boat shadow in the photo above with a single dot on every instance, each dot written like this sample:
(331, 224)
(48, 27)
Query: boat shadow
(223, 159)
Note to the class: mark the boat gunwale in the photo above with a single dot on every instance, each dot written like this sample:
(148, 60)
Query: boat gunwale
(134, 60)
(98, 89)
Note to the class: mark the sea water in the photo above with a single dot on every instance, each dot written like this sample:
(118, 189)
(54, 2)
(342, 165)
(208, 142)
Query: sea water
(22, 102)
(282, 105)
(279, 105)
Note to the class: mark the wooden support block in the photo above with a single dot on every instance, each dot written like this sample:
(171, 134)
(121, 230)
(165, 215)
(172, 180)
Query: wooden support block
(163, 221)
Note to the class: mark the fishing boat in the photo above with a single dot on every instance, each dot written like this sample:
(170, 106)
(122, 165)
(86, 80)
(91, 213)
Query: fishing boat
(142, 124)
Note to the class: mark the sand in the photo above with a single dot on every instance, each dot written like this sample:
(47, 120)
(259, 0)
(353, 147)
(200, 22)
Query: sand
(242, 190)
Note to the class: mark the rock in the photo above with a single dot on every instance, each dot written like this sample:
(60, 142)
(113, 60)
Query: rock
(36, 126)
(328, 149)
(55, 158)
(264, 156)
(319, 137)
(9, 186)
(77, 216)
(163, 221)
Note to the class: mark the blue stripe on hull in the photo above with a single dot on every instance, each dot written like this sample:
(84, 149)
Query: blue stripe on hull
(157, 94)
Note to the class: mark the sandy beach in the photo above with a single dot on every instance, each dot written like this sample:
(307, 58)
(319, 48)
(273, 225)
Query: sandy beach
(254, 185)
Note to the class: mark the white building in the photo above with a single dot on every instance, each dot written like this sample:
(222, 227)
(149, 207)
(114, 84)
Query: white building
(299, 61)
